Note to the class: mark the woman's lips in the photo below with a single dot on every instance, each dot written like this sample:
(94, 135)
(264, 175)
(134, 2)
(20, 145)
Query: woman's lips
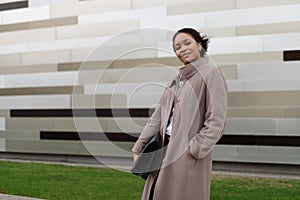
(185, 55)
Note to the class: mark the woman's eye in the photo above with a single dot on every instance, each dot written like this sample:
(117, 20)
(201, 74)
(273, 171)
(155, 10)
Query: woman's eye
(187, 43)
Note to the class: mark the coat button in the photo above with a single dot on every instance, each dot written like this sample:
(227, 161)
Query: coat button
(181, 83)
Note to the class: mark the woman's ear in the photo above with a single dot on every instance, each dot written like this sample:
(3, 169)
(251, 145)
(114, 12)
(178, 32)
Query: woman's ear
(199, 46)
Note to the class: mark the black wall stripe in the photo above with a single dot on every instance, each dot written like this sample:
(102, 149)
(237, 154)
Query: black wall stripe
(86, 136)
(100, 112)
(13, 5)
(291, 55)
(132, 137)
(260, 140)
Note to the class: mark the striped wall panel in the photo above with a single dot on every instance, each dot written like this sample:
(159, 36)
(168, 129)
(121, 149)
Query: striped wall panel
(13, 5)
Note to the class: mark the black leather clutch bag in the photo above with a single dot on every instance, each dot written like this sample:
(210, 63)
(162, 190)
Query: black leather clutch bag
(150, 158)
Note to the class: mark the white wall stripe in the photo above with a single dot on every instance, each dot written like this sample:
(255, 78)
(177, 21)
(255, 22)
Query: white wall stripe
(25, 15)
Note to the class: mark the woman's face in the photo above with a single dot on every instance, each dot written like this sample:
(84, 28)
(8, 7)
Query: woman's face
(186, 48)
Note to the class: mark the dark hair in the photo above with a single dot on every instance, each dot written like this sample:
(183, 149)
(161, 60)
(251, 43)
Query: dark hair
(203, 40)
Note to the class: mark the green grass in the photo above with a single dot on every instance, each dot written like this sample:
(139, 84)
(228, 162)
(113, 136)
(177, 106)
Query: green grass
(231, 188)
(67, 182)
(72, 182)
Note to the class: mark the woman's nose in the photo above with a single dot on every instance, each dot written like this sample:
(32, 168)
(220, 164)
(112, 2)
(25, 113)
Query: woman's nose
(182, 50)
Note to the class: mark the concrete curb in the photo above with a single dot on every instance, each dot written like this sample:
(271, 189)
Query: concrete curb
(14, 197)
(255, 175)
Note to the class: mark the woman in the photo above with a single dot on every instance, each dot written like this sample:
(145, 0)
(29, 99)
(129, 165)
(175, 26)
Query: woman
(191, 117)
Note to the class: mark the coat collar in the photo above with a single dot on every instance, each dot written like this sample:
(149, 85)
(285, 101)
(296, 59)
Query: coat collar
(190, 69)
(187, 71)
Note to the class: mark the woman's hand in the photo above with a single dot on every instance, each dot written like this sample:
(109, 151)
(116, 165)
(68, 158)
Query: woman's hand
(135, 156)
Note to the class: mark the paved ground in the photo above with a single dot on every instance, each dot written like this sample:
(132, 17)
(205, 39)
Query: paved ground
(13, 197)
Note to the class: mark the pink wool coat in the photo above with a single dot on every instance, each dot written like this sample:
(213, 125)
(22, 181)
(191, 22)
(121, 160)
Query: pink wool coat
(199, 96)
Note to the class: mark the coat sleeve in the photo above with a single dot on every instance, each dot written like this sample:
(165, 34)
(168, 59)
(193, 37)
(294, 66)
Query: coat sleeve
(151, 128)
(215, 117)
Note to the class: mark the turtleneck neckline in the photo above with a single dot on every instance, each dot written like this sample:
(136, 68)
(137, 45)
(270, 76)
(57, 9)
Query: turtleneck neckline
(190, 69)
